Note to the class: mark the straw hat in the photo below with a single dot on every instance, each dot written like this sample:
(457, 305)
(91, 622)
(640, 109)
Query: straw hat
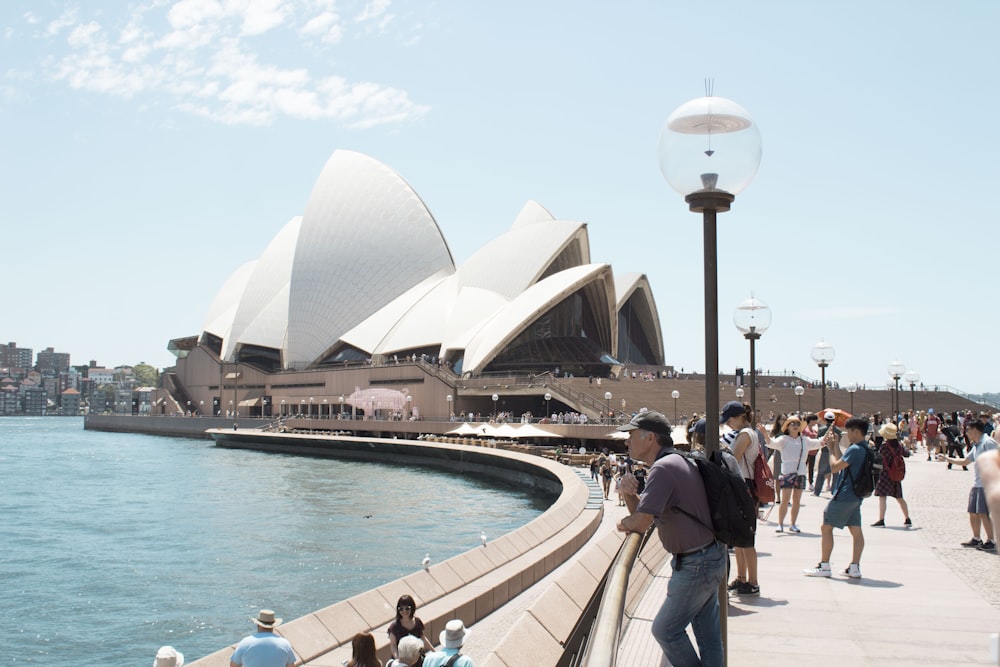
(266, 619)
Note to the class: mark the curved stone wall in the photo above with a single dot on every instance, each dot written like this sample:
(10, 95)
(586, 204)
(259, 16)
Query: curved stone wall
(468, 586)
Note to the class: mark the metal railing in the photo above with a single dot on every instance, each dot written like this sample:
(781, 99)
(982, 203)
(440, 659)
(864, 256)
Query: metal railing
(602, 644)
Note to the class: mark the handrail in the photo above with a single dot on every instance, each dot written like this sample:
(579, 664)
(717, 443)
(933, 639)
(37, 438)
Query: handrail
(602, 645)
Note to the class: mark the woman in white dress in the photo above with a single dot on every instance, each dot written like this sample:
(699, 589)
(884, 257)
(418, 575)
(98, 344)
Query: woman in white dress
(794, 448)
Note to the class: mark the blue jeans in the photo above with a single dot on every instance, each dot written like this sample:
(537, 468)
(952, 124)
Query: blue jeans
(693, 598)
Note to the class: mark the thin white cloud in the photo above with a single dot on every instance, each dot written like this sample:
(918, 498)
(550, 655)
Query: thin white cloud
(207, 57)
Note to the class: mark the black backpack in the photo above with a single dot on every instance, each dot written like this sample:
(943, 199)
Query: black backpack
(732, 506)
(865, 483)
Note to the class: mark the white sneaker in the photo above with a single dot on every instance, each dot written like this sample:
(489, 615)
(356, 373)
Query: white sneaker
(821, 570)
(853, 571)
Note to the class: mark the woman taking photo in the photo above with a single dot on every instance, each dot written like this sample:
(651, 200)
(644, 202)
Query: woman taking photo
(406, 623)
(794, 448)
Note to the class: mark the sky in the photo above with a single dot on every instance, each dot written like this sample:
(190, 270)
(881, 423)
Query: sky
(149, 148)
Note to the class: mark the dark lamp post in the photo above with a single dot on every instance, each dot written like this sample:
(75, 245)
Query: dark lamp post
(851, 388)
(822, 354)
(675, 395)
(799, 390)
(709, 151)
(607, 399)
(752, 318)
(896, 370)
(495, 399)
(548, 397)
(912, 377)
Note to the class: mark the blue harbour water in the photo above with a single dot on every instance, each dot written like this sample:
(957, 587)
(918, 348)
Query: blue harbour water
(113, 544)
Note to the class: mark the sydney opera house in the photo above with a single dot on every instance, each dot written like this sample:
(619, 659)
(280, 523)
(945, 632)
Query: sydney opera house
(357, 307)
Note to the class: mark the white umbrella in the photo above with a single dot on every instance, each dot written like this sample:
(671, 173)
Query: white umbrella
(532, 431)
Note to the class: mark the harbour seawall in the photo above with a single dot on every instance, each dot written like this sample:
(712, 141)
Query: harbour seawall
(469, 586)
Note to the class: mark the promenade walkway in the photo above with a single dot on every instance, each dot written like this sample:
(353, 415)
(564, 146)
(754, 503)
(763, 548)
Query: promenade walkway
(923, 598)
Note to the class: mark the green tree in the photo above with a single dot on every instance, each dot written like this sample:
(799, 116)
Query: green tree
(146, 375)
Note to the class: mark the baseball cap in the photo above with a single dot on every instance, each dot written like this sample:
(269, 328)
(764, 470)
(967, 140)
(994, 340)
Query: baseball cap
(651, 421)
(829, 416)
(730, 410)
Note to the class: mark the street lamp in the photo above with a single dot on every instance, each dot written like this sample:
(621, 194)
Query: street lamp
(326, 406)
(548, 397)
(310, 407)
(201, 411)
(341, 415)
(449, 398)
(283, 412)
(896, 370)
(740, 393)
(709, 151)
(302, 407)
(752, 318)
(409, 406)
(675, 395)
(495, 399)
(913, 378)
(799, 390)
(607, 399)
(851, 388)
(822, 354)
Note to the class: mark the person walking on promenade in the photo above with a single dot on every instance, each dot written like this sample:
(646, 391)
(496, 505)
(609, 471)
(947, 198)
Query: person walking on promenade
(824, 476)
(844, 509)
(932, 431)
(406, 623)
(452, 638)
(891, 450)
(746, 449)
(792, 480)
(263, 648)
(699, 560)
(979, 513)
(953, 437)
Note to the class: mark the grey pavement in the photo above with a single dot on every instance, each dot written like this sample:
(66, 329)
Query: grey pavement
(923, 599)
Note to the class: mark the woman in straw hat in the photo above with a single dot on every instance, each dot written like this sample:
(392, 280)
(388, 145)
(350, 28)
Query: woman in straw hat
(794, 448)
(890, 450)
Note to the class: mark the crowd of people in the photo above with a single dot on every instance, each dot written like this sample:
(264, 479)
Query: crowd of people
(676, 502)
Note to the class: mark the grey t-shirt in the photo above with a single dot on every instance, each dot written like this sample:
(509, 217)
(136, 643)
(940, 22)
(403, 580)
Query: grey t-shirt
(674, 481)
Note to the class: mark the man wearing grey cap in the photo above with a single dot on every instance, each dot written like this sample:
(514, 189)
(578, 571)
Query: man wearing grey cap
(674, 491)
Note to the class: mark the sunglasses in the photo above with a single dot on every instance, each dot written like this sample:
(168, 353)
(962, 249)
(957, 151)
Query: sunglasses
(404, 607)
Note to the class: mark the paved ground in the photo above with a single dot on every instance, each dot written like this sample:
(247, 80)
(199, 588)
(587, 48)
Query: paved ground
(923, 598)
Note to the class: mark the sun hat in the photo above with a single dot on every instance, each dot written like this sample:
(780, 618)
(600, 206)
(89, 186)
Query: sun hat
(789, 420)
(454, 634)
(888, 431)
(168, 656)
(730, 410)
(266, 619)
(651, 421)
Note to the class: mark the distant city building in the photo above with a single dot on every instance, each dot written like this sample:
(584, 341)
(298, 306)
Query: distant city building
(70, 402)
(101, 376)
(35, 400)
(17, 357)
(51, 362)
(10, 401)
